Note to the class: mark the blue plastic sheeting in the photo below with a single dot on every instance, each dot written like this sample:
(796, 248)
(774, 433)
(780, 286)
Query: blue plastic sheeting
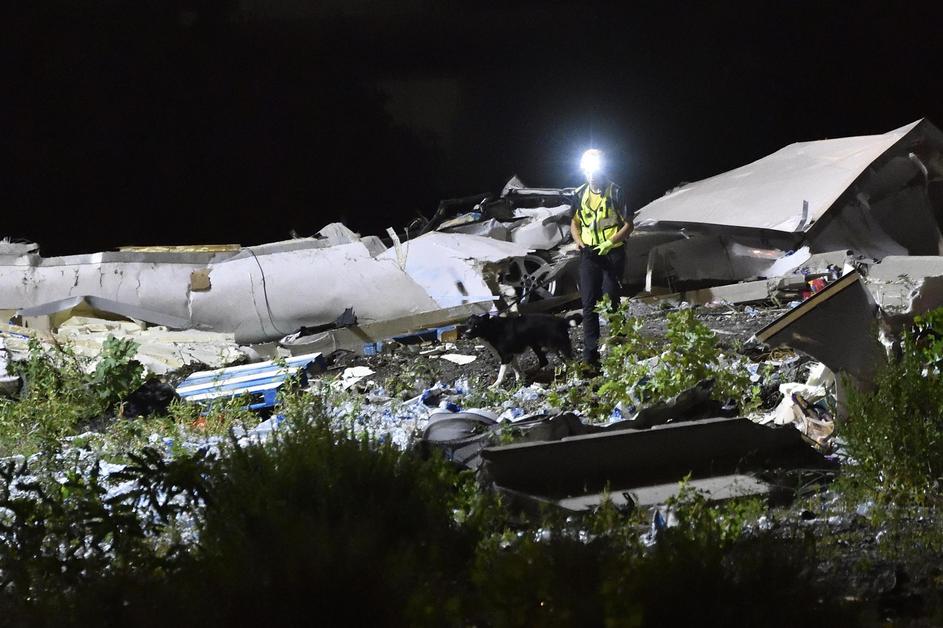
(260, 380)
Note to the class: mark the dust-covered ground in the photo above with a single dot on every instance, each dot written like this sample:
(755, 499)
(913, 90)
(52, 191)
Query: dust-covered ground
(733, 326)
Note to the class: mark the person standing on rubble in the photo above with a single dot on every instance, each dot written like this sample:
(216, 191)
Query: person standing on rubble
(600, 225)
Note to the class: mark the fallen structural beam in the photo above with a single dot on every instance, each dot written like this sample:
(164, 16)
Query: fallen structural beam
(746, 292)
(630, 459)
(718, 488)
(363, 339)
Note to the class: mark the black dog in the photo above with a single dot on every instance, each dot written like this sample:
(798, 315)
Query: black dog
(511, 336)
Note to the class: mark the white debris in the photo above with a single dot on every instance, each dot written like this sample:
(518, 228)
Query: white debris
(8, 383)
(544, 227)
(449, 266)
(351, 376)
(159, 350)
(458, 358)
(819, 385)
(789, 190)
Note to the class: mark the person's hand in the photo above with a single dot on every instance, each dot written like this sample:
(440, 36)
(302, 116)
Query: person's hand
(605, 247)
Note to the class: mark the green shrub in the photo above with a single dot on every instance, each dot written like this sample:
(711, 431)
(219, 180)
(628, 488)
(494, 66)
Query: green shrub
(687, 355)
(59, 395)
(638, 370)
(54, 400)
(894, 432)
(116, 374)
(317, 526)
(703, 571)
(71, 553)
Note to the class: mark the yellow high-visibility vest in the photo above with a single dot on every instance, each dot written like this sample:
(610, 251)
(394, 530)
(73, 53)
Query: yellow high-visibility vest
(598, 220)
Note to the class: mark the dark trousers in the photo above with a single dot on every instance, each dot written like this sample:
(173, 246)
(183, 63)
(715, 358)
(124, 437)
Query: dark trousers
(599, 275)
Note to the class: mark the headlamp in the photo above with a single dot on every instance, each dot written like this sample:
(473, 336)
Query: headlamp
(591, 161)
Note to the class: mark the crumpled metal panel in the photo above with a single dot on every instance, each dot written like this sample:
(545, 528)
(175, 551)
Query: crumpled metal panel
(787, 191)
(260, 297)
(450, 266)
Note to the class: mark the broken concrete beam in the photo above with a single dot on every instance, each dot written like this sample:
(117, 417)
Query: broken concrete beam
(905, 285)
(627, 459)
(719, 488)
(837, 326)
(744, 292)
(900, 267)
(362, 339)
(264, 292)
(820, 262)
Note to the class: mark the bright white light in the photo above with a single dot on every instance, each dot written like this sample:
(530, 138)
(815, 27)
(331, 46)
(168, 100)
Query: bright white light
(591, 162)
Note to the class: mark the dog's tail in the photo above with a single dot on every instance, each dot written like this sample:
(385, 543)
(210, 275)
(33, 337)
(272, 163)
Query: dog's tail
(574, 319)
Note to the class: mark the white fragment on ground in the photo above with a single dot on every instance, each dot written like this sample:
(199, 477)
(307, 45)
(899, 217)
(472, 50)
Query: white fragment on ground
(8, 383)
(458, 358)
(351, 376)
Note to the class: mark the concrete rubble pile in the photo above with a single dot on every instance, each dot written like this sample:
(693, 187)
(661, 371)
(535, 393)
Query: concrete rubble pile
(813, 248)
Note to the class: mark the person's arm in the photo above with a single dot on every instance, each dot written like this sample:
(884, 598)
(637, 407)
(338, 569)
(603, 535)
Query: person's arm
(619, 201)
(622, 234)
(575, 231)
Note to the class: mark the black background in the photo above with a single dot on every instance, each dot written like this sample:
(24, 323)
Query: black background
(241, 120)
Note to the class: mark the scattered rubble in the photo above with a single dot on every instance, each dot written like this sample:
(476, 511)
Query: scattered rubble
(793, 262)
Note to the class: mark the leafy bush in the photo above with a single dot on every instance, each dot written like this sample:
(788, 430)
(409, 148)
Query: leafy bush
(317, 525)
(54, 399)
(60, 395)
(116, 374)
(72, 550)
(894, 432)
(327, 524)
(638, 370)
(703, 571)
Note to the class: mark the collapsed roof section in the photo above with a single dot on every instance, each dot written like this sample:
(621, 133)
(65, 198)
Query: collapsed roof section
(787, 191)
(875, 195)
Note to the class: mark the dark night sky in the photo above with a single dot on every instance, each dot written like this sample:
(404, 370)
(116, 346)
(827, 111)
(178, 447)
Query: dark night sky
(189, 121)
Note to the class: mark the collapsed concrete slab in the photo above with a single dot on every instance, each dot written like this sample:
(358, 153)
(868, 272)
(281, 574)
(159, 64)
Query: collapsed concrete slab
(623, 460)
(906, 286)
(717, 488)
(837, 326)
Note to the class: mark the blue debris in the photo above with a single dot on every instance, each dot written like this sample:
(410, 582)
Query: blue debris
(373, 348)
(451, 406)
(261, 381)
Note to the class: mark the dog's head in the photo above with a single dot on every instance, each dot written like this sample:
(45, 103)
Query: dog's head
(475, 324)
